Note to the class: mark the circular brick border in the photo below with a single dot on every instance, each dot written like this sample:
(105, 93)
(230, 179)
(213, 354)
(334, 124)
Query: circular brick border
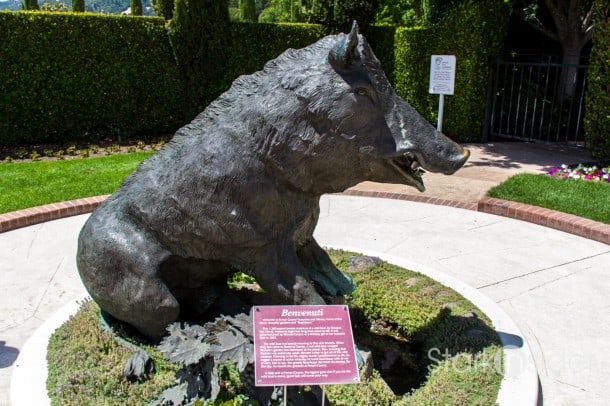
(54, 211)
(568, 223)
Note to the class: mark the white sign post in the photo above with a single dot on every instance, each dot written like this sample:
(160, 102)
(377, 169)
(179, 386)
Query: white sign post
(442, 81)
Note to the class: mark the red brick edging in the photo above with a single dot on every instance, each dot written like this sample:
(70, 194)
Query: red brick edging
(412, 198)
(569, 223)
(590, 229)
(40, 214)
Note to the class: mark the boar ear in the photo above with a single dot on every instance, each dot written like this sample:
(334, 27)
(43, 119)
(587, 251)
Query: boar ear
(345, 51)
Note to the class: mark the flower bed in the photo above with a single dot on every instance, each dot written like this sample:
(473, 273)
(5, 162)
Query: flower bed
(580, 171)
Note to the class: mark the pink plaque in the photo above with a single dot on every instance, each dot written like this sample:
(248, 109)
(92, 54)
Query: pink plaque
(303, 345)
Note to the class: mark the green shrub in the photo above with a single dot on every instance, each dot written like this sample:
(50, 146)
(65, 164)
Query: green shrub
(67, 76)
(414, 46)
(78, 6)
(253, 44)
(164, 8)
(473, 31)
(136, 7)
(30, 4)
(247, 11)
(77, 76)
(597, 116)
(198, 34)
(381, 39)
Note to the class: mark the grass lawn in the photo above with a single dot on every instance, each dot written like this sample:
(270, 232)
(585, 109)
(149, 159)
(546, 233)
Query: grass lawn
(29, 184)
(582, 198)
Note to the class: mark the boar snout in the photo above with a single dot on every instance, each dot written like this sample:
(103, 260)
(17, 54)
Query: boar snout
(437, 154)
(441, 155)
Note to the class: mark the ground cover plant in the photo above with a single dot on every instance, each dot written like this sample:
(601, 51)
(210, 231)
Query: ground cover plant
(86, 365)
(582, 190)
(429, 346)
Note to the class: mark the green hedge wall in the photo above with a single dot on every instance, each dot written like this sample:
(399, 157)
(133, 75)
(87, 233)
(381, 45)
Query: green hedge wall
(66, 76)
(74, 76)
(253, 44)
(381, 39)
(198, 34)
(597, 102)
(474, 31)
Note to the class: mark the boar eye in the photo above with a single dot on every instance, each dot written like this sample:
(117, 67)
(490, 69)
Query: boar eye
(366, 92)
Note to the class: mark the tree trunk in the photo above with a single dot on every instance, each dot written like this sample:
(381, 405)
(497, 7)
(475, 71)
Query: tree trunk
(569, 71)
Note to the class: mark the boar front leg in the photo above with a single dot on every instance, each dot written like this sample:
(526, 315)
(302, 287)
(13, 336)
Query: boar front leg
(323, 271)
(282, 275)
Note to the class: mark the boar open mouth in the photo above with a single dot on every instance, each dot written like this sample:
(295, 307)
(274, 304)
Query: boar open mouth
(409, 167)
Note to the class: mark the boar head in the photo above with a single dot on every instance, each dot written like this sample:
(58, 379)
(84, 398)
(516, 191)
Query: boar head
(356, 127)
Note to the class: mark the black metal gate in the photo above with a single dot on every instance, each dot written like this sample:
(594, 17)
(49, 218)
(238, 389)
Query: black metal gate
(525, 102)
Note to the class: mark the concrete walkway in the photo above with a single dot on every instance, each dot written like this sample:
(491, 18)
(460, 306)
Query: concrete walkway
(551, 283)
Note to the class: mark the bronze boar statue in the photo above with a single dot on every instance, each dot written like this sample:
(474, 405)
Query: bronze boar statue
(238, 188)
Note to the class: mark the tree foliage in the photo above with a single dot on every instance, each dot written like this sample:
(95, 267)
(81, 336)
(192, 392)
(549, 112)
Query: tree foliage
(294, 11)
(339, 15)
(398, 12)
(413, 12)
(570, 23)
(434, 10)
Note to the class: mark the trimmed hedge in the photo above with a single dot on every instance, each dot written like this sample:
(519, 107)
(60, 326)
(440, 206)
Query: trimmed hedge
(73, 76)
(381, 39)
(251, 45)
(474, 31)
(198, 36)
(65, 76)
(597, 116)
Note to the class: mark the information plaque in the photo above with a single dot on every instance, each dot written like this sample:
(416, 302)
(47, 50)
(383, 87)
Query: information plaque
(303, 345)
(442, 74)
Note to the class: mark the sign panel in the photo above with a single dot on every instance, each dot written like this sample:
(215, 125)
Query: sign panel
(303, 345)
(442, 74)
